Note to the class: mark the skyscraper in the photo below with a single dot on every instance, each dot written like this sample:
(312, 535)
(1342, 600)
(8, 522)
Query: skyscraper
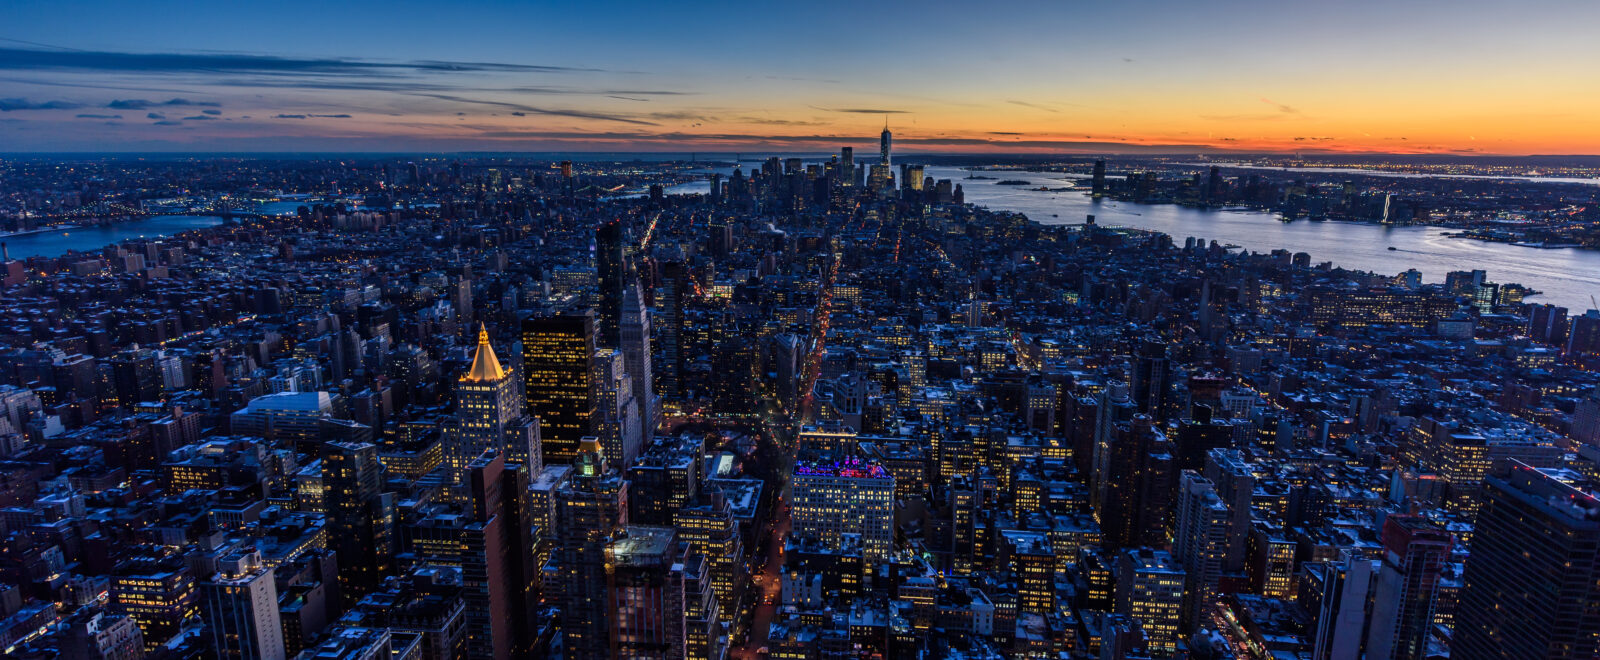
(637, 360)
(637, 563)
(884, 142)
(1150, 591)
(1341, 604)
(611, 273)
(1200, 542)
(1404, 600)
(589, 509)
(1138, 479)
(496, 557)
(241, 606)
(669, 328)
(489, 412)
(357, 518)
(1532, 583)
(557, 352)
(1099, 189)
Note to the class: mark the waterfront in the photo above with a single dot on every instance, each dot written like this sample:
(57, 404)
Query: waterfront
(1565, 276)
(90, 239)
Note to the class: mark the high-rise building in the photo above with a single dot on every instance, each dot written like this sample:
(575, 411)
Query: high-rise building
(241, 610)
(1405, 597)
(359, 517)
(611, 273)
(1099, 185)
(1150, 591)
(849, 497)
(616, 418)
(885, 141)
(589, 509)
(1137, 482)
(489, 413)
(712, 532)
(1342, 604)
(669, 306)
(1199, 543)
(1149, 383)
(496, 561)
(160, 594)
(1531, 588)
(637, 564)
(635, 348)
(557, 352)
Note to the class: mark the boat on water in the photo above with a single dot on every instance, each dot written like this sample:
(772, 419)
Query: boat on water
(1391, 247)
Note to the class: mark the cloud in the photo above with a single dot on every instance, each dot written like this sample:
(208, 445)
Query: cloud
(519, 114)
(1244, 117)
(7, 105)
(94, 116)
(1035, 106)
(23, 59)
(199, 118)
(211, 112)
(1005, 133)
(168, 122)
(288, 116)
(141, 104)
(338, 116)
(625, 98)
(1281, 107)
(578, 114)
(864, 111)
(155, 115)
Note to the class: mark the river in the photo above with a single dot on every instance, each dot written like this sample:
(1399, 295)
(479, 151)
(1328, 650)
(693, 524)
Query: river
(88, 239)
(1566, 276)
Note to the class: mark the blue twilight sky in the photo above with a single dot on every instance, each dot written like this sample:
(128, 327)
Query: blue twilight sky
(1466, 76)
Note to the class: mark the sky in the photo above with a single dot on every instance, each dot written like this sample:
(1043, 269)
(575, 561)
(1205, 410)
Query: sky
(1398, 76)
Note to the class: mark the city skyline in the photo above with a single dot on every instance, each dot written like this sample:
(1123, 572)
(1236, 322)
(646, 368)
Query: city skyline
(1467, 78)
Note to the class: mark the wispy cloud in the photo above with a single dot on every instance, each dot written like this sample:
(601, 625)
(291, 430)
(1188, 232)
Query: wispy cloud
(26, 59)
(1245, 117)
(864, 111)
(141, 104)
(1035, 106)
(95, 116)
(8, 105)
(557, 112)
(1281, 107)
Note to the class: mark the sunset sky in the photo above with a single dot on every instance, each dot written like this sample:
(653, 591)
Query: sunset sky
(1393, 76)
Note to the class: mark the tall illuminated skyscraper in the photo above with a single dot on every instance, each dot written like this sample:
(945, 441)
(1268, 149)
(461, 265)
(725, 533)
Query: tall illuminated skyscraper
(557, 352)
(489, 413)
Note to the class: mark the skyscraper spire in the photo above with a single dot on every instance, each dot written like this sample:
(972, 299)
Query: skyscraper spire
(883, 143)
(485, 366)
